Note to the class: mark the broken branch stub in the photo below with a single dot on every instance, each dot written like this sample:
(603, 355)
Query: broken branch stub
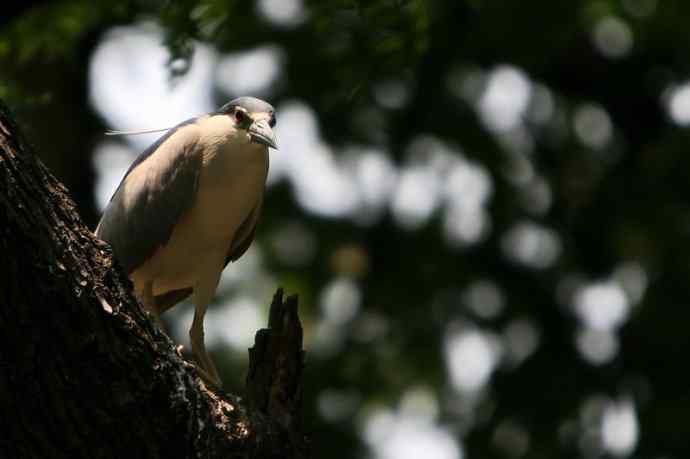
(274, 381)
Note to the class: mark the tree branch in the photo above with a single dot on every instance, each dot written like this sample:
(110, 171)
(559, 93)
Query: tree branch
(85, 373)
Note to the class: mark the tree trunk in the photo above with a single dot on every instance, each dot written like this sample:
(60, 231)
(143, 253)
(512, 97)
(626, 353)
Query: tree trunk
(85, 373)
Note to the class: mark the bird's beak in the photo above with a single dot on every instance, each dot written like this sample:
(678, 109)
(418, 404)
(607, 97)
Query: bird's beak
(261, 132)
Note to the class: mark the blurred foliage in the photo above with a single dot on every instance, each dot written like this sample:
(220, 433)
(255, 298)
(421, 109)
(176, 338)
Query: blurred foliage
(624, 202)
(32, 36)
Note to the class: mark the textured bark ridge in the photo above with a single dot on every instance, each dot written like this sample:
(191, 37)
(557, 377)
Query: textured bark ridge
(85, 373)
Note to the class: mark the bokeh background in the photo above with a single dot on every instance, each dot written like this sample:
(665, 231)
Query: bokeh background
(483, 205)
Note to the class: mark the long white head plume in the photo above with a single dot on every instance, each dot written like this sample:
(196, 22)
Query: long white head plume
(136, 132)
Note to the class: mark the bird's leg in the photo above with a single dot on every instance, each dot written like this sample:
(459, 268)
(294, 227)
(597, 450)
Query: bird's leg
(196, 335)
(203, 292)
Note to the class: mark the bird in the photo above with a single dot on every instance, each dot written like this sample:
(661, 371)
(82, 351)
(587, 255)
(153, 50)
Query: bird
(189, 205)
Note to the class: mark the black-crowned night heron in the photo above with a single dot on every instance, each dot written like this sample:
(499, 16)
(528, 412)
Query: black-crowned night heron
(188, 205)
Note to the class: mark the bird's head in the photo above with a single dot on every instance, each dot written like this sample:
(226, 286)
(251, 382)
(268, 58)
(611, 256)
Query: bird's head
(254, 116)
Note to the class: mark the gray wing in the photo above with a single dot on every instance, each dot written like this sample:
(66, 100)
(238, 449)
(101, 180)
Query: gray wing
(157, 189)
(244, 235)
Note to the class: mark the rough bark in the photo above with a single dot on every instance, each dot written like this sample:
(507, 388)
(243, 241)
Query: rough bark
(85, 373)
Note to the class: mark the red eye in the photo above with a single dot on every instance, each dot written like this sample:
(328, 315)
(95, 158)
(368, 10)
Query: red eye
(240, 116)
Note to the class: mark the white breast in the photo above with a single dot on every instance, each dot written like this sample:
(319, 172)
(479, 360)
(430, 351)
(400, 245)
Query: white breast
(231, 184)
